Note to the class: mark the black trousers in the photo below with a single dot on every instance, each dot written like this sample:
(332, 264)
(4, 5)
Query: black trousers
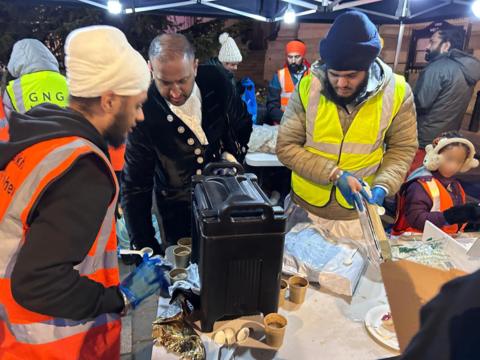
(174, 221)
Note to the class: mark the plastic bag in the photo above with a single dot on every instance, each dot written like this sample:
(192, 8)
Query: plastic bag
(263, 139)
(308, 253)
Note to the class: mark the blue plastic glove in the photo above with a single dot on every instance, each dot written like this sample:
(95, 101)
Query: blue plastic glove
(353, 198)
(144, 281)
(378, 196)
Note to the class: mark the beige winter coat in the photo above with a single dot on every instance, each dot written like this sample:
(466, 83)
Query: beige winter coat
(400, 142)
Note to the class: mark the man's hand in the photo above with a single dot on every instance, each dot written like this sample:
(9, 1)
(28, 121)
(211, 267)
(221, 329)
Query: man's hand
(351, 188)
(378, 196)
(145, 280)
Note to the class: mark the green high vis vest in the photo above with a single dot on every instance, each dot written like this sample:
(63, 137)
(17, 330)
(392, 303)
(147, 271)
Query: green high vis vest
(360, 150)
(37, 88)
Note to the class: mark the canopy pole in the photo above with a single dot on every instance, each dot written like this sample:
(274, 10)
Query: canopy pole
(400, 34)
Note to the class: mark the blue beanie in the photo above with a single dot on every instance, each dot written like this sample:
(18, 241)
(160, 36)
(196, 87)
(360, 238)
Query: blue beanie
(352, 43)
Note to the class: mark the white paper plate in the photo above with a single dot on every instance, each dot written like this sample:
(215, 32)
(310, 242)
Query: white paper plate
(373, 322)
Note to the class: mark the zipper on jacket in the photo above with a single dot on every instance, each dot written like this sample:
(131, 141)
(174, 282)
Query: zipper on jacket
(341, 147)
(334, 188)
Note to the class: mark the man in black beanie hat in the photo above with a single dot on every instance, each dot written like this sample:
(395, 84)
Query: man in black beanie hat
(351, 122)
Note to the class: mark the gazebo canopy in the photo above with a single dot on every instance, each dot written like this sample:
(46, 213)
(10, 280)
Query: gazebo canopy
(380, 11)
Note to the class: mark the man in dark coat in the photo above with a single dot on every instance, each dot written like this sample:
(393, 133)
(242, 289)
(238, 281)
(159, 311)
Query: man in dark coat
(191, 118)
(444, 88)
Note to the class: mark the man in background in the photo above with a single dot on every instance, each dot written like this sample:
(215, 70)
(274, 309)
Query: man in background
(284, 80)
(37, 78)
(444, 88)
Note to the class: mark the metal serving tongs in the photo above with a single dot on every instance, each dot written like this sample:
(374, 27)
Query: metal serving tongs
(377, 245)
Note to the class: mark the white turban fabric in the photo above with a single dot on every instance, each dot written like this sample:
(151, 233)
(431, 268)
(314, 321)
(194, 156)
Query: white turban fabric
(100, 59)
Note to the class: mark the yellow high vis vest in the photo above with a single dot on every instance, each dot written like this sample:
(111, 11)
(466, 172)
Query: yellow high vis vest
(37, 88)
(360, 150)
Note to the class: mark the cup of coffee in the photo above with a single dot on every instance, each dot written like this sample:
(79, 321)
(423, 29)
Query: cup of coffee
(182, 256)
(298, 288)
(283, 290)
(177, 274)
(185, 241)
(275, 326)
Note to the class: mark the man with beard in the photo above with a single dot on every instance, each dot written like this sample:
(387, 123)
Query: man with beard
(444, 88)
(192, 118)
(283, 83)
(60, 294)
(349, 123)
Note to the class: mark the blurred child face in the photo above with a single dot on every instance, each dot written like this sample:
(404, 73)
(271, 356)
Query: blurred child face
(453, 159)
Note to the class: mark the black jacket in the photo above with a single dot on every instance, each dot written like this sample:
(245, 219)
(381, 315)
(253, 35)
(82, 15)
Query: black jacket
(64, 223)
(443, 92)
(228, 74)
(162, 154)
(449, 323)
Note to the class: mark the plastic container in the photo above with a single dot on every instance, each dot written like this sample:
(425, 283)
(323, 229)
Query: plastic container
(237, 241)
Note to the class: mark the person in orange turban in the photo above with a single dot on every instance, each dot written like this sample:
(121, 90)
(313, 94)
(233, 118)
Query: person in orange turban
(285, 79)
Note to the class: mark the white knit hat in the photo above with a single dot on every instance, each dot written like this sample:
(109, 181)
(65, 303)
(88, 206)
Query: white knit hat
(229, 51)
(100, 59)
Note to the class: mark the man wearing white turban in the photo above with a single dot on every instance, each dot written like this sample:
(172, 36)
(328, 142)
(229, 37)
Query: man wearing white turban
(60, 294)
(192, 117)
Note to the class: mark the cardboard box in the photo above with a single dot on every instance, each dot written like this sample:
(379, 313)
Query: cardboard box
(410, 285)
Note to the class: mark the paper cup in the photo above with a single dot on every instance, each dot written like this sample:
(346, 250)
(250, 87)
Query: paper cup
(283, 290)
(185, 241)
(298, 288)
(275, 326)
(177, 274)
(182, 256)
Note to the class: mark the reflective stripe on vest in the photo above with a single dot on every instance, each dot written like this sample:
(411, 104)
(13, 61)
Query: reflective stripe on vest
(360, 150)
(37, 88)
(22, 183)
(287, 86)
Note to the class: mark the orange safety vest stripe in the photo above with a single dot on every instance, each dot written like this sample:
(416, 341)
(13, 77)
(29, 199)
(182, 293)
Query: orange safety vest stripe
(89, 347)
(20, 167)
(111, 244)
(117, 157)
(15, 311)
(55, 173)
(107, 277)
(287, 85)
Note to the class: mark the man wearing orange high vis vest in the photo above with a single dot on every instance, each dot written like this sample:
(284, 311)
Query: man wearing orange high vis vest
(60, 294)
(283, 83)
(349, 123)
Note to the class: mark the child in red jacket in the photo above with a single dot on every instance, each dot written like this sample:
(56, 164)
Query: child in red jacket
(432, 193)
